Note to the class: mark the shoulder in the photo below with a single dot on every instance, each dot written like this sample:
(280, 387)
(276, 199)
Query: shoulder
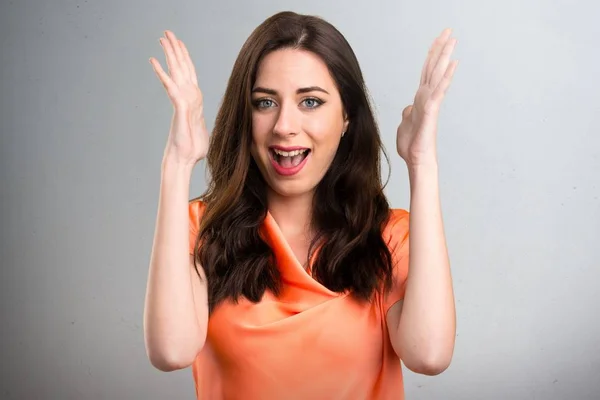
(397, 225)
(395, 234)
(196, 208)
(399, 215)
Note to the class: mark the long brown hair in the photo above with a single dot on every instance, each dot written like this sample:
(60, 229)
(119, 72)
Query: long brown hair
(349, 206)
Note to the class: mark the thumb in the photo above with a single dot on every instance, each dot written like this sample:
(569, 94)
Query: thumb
(406, 112)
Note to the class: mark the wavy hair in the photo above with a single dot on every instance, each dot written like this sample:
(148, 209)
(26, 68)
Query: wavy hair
(349, 206)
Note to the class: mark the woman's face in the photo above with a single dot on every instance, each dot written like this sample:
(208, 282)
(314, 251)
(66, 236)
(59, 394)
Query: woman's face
(297, 121)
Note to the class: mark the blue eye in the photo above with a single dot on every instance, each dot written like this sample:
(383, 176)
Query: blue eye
(312, 102)
(264, 103)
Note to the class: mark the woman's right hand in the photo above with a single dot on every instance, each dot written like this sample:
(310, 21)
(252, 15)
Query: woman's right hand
(188, 138)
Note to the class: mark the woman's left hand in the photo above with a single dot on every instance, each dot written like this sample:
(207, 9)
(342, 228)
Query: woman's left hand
(416, 136)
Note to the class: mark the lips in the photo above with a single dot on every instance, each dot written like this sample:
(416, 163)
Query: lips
(287, 148)
(287, 161)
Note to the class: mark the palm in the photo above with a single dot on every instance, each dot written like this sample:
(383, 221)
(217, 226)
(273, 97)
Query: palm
(189, 117)
(188, 137)
(416, 136)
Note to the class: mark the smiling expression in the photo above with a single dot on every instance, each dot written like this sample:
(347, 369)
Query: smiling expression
(297, 121)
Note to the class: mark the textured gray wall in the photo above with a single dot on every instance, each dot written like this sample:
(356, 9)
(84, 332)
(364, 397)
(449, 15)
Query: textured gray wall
(84, 122)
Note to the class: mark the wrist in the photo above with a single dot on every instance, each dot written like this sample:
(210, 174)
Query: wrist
(173, 167)
(422, 168)
(423, 174)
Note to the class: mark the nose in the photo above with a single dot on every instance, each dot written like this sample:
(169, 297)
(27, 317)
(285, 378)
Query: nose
(288, 121)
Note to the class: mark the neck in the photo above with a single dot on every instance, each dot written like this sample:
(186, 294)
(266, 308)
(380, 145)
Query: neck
(292, 214)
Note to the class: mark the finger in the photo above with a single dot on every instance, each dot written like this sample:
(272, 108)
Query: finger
(162, 75)
(177, 51)
(425, 64)
(172, 62)
(442, 65)
(436, 50)
(442, 88)
(428, 61)
(190, 63)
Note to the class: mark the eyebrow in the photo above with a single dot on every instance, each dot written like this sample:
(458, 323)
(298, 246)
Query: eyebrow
(299, 91)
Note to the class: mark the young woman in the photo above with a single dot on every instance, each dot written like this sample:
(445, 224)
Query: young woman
(290, 278)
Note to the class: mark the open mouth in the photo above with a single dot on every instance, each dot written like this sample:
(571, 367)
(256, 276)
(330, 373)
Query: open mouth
(289, 159)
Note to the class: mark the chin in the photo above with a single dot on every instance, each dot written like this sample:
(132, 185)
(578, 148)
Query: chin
(291, 189)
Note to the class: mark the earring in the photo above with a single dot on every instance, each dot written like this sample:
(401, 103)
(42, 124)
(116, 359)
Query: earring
(343, 133)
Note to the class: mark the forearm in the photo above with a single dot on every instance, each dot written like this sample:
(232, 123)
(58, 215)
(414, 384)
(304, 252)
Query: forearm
(427, 324)
(172, 327)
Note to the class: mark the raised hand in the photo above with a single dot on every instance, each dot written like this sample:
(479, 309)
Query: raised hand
(416, 136)
(188, 138)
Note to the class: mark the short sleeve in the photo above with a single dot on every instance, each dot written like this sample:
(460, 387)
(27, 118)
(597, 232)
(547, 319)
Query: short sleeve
(396, 234)
(195, 209)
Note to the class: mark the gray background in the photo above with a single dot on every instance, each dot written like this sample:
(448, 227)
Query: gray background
(84, 123)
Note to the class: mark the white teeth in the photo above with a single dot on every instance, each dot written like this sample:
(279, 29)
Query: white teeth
(289, 153)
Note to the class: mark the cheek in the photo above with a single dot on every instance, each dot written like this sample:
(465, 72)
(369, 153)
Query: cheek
(326, 124)
(325, 133)
(325, 148)
(260, 132)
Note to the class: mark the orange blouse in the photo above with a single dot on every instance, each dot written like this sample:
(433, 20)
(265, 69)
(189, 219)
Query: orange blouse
(308, 343)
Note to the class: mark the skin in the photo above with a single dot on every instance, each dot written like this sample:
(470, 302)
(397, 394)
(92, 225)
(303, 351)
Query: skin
(176, 310)
(421, 327)
(296, 103)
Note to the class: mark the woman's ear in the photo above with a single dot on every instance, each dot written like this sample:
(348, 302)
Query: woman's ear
(346, 123)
